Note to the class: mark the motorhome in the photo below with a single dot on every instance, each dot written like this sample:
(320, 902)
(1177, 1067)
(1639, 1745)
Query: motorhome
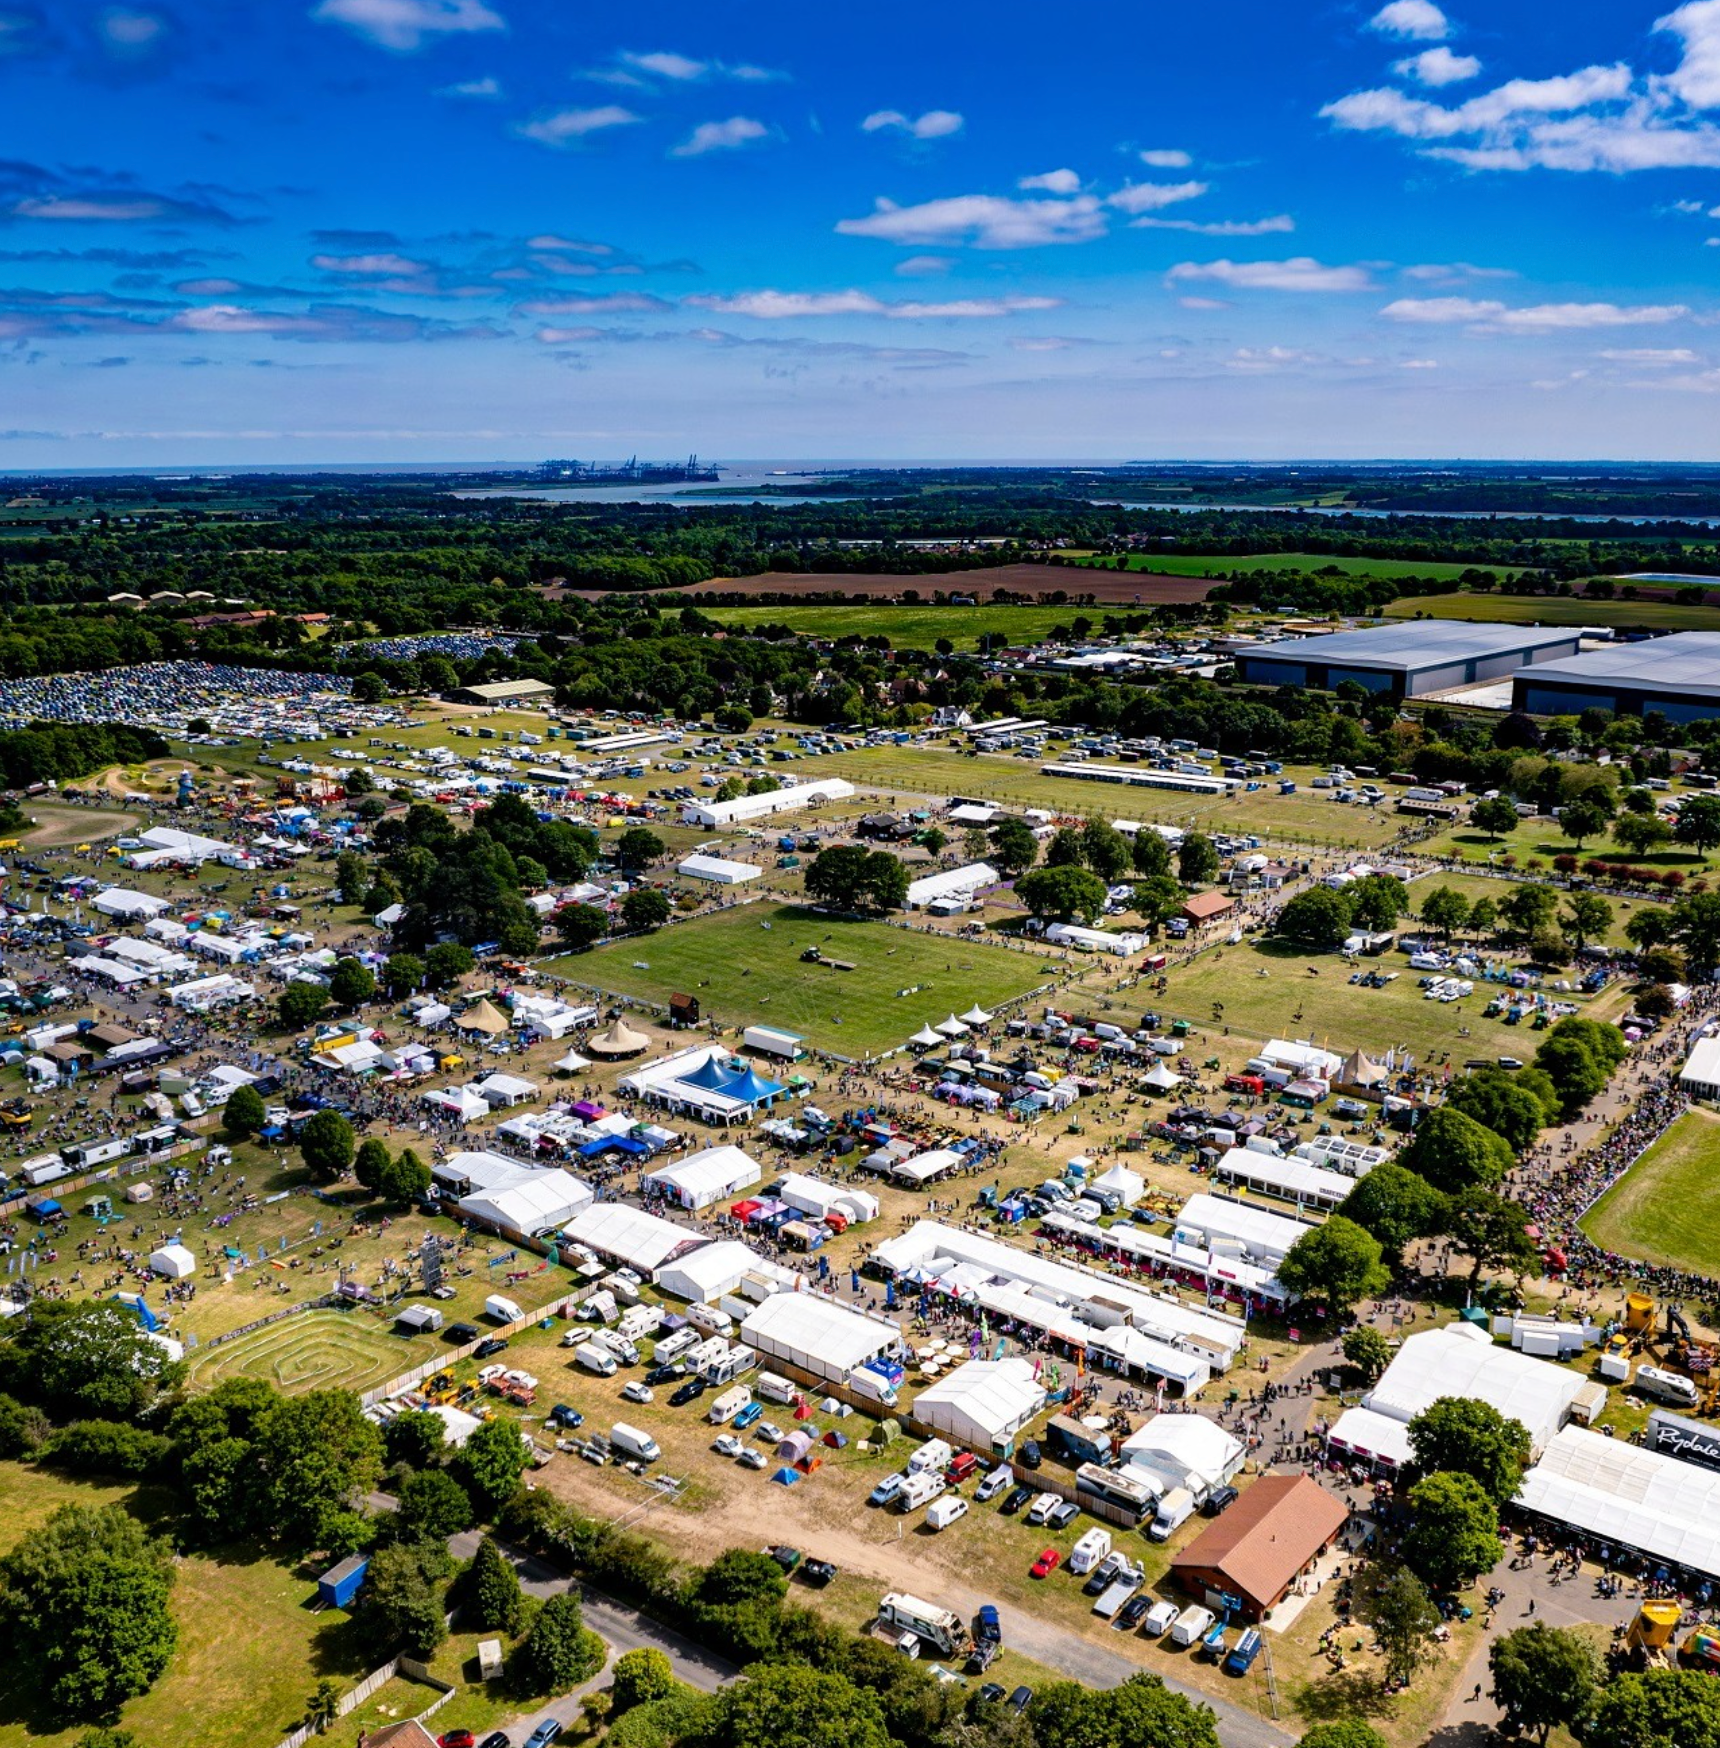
(941, 1627)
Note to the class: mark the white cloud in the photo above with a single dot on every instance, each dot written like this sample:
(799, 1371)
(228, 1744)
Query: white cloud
(616, 304)
(562, 336)
(1052, 182)
(1418, 20)
(1419, 364)
(1218, 227)
(720, 136)
(1660, 355)
(405, 25)
(79, 209)
(485, 87)
(935, 124)
(1437, 67)
(1165, 158)
(773, 306)
(668, 66)
(1151, 196)
(681, 69)
(368, 266)
(128, 32)
(987, 221)
(1203, 303)
(574, 245)
(562, 126)
(1490, 316)
(1696, 79)
(1444, 271)
(924, 266)
(1299, 273)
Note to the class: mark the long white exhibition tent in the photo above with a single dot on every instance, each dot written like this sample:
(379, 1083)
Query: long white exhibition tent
(535, 1204)
(630, 1236)
(715, 1270)
(982, 1404)
(818, 1335)
(705, 1177)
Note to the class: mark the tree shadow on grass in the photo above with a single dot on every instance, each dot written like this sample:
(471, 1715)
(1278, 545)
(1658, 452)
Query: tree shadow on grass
(1343, 1693)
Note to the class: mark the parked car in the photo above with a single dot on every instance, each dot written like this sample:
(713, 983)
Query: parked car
(690, 1391)
(1016, 1498)
(991, 1693)
(961, 1465)
(1047, 1563)
(1028, 1456)
(1132, 1613)
(818, 1572)
(491, 1345)
(786, 1558)
(550, 1729)
(993, 1484)
(667, 1373)
(985, 1653)
(457, 1739)
(495, 1739)
(1219, 1499)
(458, 1334)
(562, 1415)
(769, 1431)
(753, 1411)
(1063, 1514)
(986, 1624)
(727, 1445)
(886, 1490)
(1019, 1701)
(753, 1458)
(634, 1391)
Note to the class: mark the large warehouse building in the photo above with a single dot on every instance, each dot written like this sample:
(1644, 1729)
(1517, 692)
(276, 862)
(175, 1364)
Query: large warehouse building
(1679, 676)
(1409, 659)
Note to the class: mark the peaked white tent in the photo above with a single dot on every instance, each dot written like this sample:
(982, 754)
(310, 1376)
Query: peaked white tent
(572, 1063)
(977, 1016)
(926, 1038)
(953, 1028)
(1161, 1077)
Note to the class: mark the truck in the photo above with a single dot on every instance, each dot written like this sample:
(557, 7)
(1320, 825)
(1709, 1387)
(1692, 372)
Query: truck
(630, 1441)
(1191, 1626)
(595, 1359)
(46, 1168)
(939, 1627)
(728, 1405)
(1175, 1509)
(1089, 1551)
(920, 1489)
(774, 1389)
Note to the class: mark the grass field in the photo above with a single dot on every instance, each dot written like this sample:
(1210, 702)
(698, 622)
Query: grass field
(1541, 840)
(1556, 610)
(744, 966)
(1474, 886)
(1666, 1208)
(316, 1350)
(921, 627)
(1223, 565)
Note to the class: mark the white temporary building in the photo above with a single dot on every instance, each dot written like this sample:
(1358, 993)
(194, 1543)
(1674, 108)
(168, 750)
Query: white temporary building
(460, 1101)
(357, 1057)
(1307, 1060)
(982, 1404)
(114, 971)
(502, 1090)
(204, 994)
(1094, 940)
(1458, 1359)
(1129, 1350)
(1291, 1180)
(744, 807)
(718, 870)
(572, 1063)
(715, 1270)
(1220, 1225)
(121, 902)
(818, 1335)
(1628, 1496)
(463, 1173)
(705, 1177)
(631, 1237)
(1700, 1075)
(164, 843)
(813, 1196)
(173, 1262)
(951, 883)
(1184, 1450)
(1129, 1185)
(925, 1168)
(538, 1203)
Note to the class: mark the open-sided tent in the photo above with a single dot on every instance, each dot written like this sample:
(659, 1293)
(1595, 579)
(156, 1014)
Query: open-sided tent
(485, 1017)
(619, 1040)
(976, 1016)
(926, 1038)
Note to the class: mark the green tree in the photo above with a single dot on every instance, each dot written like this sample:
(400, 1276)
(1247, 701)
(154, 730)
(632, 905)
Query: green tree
(1495, 815)
(644, 910)
(557, 1653)
(1108, 852)
(369, 688)
(350, 985)
(788, 1705)
(1342, 1733)
(1494, 1231)
(1660, 1708)
(432, 1506)
(1157, 899)
(104, 1737)
(1140, 1713)
(323, 1705)
(1649, 927)
(301, 1005)
(90, 1359)
(849, 877)
(1336, 1265)
(638, 847)
(1377, 901)
(313, 1458)
(1445, 909)
(1462, 1436)
(1396, 1205)
(1544, 1678)
(1586, 916)
(1367, 1350)
(1014, 848)
(1454, 1537)
(1528, 909)
(1498, 1101)
(1150, 854)
(490, 1464)
(1403, 1618)
(1317, 919)
(414, 1438)
(1483, 916)
(1067, 849)
(402, 973)
(581, 926)
(1643, 833)
(1453, 1151)
(493, 1587)
(243, 1114)
(1582, 820)
(932, 841)
(404, 1179)
(640, 1678)
(370, 1162)
(326, 1144)
(446, 963)
(1698, 822)
(352, 876)
(1197, 859)
(85, 1599)
(1695, 926)
(403, 1602)
(1062, 894)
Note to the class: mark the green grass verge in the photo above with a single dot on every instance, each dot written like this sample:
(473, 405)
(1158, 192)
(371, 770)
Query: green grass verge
(1666, 1208)
(1556, 610)
(744, 966)
(921, 627)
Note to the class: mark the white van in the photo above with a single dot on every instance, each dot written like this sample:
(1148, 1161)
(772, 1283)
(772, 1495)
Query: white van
(630, 1441)
(595, 1359)
(1175, 1509)
(1159, 1618)
(1191, 1626)
(1001, 1477)
(503, 1309)
(941, 1513)
(1043, 1507)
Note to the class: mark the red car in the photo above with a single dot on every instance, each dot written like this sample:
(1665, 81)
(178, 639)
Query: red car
(1047, 1563)
(961, 1465)
(457, 1739)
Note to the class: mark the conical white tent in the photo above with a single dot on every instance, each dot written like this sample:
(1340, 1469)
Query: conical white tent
(977, 1016)
(926, 1037)
(573, 1062)
(620, 1040)
(1161, 1077)
(953, 1028)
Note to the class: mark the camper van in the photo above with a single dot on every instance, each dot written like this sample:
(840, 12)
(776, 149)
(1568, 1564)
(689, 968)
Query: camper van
(730, 1364)
(933, 1456)
(673, 1347)
(595, 1359)
(617, 1344)
(728, 1405)
(941, 1513)
(1666, 1386)
(920, 1489)
(941, 1627)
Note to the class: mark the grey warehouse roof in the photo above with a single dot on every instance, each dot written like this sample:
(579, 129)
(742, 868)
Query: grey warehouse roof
(1688, 663)
(1411, 644)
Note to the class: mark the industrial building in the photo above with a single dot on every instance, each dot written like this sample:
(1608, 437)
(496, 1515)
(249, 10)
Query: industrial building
(1678, 676)
(1409, 659)
(505, 692)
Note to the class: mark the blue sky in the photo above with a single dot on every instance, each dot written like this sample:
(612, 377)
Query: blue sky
(397, 230)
